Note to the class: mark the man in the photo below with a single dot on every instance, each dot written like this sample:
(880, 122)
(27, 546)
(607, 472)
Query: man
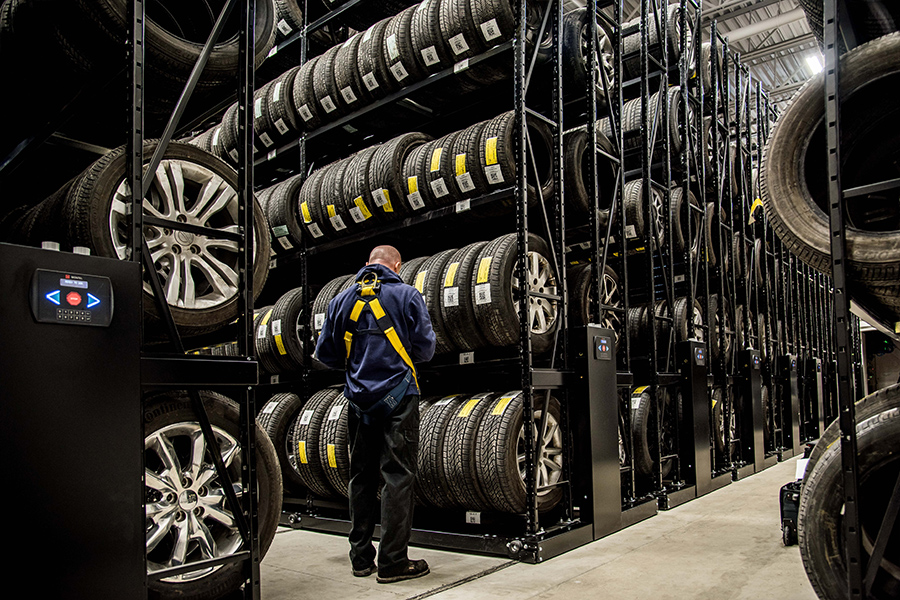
(379, 329)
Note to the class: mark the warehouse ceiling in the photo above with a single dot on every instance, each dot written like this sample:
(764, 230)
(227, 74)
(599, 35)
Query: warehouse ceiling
(772, 37)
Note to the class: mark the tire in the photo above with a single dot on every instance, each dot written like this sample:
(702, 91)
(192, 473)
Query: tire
(277, 419)
(467, 179)
(337, 216)
(376, 77)
(356, 191)
(632, 122)
(334, 445)
(498, 447)
(458, 460)
(717, 398)
(432, 488)
(311, 218)
(439, 170)
(325, 89)
(386, 174)
(496, 309)
(408, 269)
(170, 423)
(265, 345)
(428, 280)
(576, 165)
(282, 214)
(685, 214)
(323, 299)
(643, 422)
(97, 219)
(289, 17)
(351, 90)
(634, 214)
(457, 309)
(714, 325)
(459, 29)
(305, 442)
(429, 46)
(688, 323)
(581, 291)
(797, 210)
(263, 125)
(820, 523)
(712, 246)
(397, 51)
(631, 43)
(498, 159)
(866, 408)
(280, 106)
(304, 97)
(576, 56)
(418, 194)
(285, 328)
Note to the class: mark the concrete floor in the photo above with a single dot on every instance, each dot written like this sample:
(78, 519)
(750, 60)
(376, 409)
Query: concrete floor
(723, 546)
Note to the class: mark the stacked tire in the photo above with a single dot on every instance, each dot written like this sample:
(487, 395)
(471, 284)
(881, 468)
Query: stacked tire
(472, 295)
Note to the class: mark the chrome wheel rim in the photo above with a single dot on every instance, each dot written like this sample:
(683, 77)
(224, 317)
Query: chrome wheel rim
(656, 200)
(186, 518)
(542, 312)
(697, 324)
(548, 467)
(197, 271)
(610, 319)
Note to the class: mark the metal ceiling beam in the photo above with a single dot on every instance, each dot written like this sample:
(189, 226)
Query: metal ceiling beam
(764, 25)
(787, 89)
(787, 44)
(722, 13)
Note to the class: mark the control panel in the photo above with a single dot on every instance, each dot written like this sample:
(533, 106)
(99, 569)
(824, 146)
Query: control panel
(71, 298)
(700, 356)
(602, 348)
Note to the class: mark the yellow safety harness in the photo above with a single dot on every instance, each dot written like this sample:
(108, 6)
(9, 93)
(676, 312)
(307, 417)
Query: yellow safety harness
(367, 290)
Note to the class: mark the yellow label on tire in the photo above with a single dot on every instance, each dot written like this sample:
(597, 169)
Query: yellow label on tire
(460, 164)
(451, 275)
(436, 159)
(468, 407)
(484, 270)
(639, 391)
(301, 452)
(501, 405)
(420, 281)
(362, 207)
(332, 460)
(307, 218)
(331, 211)
(490, 151)
(281, 349)
(387, 201)
(413, 184)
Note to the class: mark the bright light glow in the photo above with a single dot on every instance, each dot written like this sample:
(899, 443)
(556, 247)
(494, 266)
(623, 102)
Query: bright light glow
(814, 63)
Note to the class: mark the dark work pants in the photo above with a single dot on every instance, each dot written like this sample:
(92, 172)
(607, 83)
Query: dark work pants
(389, 448)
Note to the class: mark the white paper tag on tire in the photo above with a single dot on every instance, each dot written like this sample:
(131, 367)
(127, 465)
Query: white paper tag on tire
(266, 139)
(458, 44)
(285, 29)
(635, 403)
(268, 408)
(357, 215)
(415, 200)
(335, 413)
(490, 30)
(305, 112)
(328, 104)
(276, 92)
(281, 126)
(494, 174)
(337, 222)
(399, 71)
(473, 518)
(465, 182)
(349, 96)
(306, 417)
(630, 232)
(430, 56)
(370, 81)
(451, 296)
(261, 331)
(319, 320)
(483, 293)
(378, 197)
(314, 229)
(439, 187)
(276, 327)
(391, 43)
(285, 243)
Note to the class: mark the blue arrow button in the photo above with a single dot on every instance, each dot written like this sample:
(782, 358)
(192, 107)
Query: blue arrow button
(53, 297)
(92, 301)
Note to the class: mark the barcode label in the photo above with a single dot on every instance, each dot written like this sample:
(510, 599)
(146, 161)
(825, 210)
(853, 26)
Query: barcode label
(266, 139)
(276, 327)
(268, 408)
(319, 320)
(337, 222)
(261, 331)
(370, 81)
(415, 200)
(451, 296)
(490, 30)
(393, 52)
(465, 182)
(357, 215)
(458, 44)
(305, 112)
(274, 379)
(281, 126)
(679, 278)
(378, 197)
(630, 232)
(306, 417)
(466, 358)
(328, 104)
(430, 56)
(494, 174)
(314, 229)
(349, 96)
(483, 293)
(284, 28)
(399, 71)
(473, 518)
(285, 243)
(463, 206)
(276, 92)
(335, 413)
(439, 187)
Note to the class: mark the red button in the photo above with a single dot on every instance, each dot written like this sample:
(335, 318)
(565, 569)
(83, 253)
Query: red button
(73, 298)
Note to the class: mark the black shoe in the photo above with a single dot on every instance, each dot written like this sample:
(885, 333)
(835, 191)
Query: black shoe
(365, 572)
(411, 570)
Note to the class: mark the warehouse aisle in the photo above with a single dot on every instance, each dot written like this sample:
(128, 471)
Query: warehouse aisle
(724, 546)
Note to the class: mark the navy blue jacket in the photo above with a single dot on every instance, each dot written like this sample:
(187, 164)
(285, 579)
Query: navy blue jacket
(374, 367)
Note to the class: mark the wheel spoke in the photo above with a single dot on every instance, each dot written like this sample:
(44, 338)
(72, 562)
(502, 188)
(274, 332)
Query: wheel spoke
(173, 283)
(168, 456)
(179, 551)
(155, 482)
(198, 453)
(175, 176)
(219, 514)
(160, 529)
(223, 196)
(164, 193)
(220, 276)
(552, 428)
(203, 537)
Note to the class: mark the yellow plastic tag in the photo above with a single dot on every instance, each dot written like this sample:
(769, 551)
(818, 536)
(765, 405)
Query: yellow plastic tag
(484, 270)
(362, 207)
(413, 184)
(387, 201)
(436, 159)
(332, 459)
(468, 407)
(301, 452)
(331, 211)
(501, 405)
(307, 218)
(639, 391)
(460, 164)
(420, 281)
(490, 151)
(281, 349)
(266, 318)
(451, 275)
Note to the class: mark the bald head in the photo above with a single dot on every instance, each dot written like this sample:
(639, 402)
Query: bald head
(387, 256)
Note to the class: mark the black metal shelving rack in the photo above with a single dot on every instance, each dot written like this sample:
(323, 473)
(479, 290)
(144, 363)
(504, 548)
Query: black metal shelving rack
(176, 369)
(527, 537)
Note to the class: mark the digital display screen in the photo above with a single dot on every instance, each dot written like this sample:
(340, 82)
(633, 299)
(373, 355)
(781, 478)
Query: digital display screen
(75, 283)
